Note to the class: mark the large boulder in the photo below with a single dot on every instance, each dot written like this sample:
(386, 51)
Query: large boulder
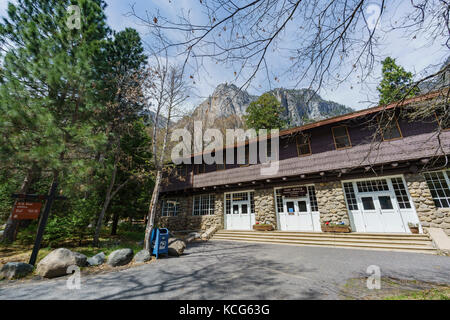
(15, 270)
(209, 233)
(97, 260)
(142, 256)
(55, 264)
(176, 247)
(120, 257)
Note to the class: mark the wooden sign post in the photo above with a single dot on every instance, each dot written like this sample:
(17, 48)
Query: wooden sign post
(27, 209)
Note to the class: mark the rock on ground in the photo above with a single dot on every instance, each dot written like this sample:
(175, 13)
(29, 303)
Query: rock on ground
(55, 264)
(209, 233)
(120, 257)
(176, 247)
(15, 270)
(142, 256)
(97, 260)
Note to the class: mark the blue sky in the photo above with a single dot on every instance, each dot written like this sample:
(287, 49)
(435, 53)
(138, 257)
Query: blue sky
(415, 55)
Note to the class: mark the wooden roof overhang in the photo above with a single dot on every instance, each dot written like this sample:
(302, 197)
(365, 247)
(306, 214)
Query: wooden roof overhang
(392, 156)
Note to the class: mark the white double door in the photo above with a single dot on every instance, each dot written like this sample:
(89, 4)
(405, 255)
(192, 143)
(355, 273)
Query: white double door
(296, 215)
(380, 212)
(240, 217)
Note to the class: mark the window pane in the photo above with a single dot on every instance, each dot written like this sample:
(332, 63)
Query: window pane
(391, 131)
(385, 203)
(290, 207)
(235, 209)
(350, 196)
(304, 149)
(368, 203)
(342, 142)
(244, 208)
(302, 206)
(439, 188)
(340, 131)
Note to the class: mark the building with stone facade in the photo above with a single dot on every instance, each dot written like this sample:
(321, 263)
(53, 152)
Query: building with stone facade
(361, 170)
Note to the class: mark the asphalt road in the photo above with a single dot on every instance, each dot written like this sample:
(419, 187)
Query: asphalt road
(235, 271)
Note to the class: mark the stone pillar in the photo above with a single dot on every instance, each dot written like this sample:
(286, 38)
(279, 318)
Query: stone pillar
(429, 215)
(331, 202)
(265, 212)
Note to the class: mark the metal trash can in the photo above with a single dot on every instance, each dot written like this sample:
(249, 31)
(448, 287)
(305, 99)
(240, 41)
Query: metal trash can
(159, 241)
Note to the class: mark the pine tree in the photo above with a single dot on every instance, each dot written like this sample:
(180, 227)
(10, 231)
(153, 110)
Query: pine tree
(49, 103)
(397, 83)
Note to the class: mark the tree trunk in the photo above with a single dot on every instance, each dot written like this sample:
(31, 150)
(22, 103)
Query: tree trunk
(152, 210)
(105, 206)
(10, 232)
(115, 223)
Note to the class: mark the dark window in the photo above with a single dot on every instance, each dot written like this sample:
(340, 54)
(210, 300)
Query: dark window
(290, 207)
(368, 203)
(200, 168)
(302, 206)
(247, 157)
(236, 209)
(244, 209)
(390, 129)
(341, 137)
(443, 118)
(385, 203)
(303, 145)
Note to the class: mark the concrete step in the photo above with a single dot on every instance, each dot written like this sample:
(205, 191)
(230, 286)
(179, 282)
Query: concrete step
(348, 240)
(327, 234)
(383, 247)
(389, 242)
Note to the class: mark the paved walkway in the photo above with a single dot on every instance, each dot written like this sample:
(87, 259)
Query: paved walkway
(233, 270)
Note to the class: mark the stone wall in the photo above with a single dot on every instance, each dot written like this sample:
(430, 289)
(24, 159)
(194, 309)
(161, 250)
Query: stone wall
(331, 201)
(186, 221)
(265, 211)
(428, 214)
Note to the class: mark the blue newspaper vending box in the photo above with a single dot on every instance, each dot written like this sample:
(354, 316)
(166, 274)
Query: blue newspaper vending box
(159, 241)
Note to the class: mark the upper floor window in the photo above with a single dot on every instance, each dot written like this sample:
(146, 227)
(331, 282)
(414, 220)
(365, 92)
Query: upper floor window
(303, 145)
(390, 129)
(200, 168)
(204, 205)
(438, 183)
(341, 137)
(443, 119)
(247, 157)
(170, 208)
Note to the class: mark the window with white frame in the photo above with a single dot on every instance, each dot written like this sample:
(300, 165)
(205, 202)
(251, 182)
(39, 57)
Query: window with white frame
(170, 208)
(350, 196)
(230, 198)
(400, 193)
(438, 183)
(204, 205)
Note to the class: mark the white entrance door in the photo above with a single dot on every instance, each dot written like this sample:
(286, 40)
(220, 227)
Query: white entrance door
(380, 213)
(240, 217)
(297, 215)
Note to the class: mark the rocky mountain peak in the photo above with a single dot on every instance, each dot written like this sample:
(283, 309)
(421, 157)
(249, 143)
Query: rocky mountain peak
(301, 105)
